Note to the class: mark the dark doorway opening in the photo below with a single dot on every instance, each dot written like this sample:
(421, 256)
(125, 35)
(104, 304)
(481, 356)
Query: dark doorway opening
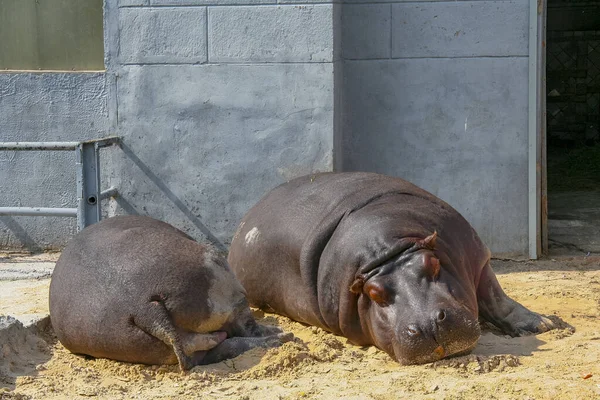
(573, 126)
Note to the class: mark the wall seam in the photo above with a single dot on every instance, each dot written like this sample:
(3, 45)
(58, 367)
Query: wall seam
(391, 31)
(206, 35)
(430, 58)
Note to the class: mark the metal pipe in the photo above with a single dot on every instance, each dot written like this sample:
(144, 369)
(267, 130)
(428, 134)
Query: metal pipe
(104, 142)
(79, 180)
(110, 192)
(39, 211)
(35, 146)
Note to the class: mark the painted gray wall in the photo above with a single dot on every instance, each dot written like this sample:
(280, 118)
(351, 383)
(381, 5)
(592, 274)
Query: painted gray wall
(45, 107)
(218, 101)
(216, 105)
(436, 93)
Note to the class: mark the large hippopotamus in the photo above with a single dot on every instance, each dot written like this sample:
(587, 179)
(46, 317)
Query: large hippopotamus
(136, 289)
(377, 260)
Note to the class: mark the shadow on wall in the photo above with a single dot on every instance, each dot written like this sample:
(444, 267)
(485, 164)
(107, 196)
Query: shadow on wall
(170, 195)
(28, 242)
(21, 234)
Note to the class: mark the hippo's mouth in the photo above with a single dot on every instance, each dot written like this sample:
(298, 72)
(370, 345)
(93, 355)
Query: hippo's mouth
(438, 343)
(432, 354)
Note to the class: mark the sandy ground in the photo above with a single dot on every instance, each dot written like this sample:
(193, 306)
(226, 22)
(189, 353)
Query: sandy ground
(563, 363)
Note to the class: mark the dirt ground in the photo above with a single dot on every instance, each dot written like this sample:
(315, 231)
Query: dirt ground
(563, 363)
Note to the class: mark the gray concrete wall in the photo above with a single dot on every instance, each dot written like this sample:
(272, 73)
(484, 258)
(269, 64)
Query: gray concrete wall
(45, 107)
(217, 102)
(436, 92)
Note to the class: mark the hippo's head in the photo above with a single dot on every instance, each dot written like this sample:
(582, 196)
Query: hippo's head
(414, 316)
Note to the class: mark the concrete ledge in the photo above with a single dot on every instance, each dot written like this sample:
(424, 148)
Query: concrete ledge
(407, 1)
(184, 3)
(207, 2)
(125, 3)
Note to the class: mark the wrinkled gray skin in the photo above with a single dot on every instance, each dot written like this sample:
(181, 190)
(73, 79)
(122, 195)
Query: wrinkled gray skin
(135, 289)
(377, 260)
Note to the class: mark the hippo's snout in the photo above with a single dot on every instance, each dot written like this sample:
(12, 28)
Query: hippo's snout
(445, 333)
(413, 330)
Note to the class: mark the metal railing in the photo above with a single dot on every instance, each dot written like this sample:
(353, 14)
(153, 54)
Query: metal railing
(87, 163)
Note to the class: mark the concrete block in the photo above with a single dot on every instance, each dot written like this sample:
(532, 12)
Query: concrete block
(308, 1)
(45, 107)
(271, 34)
(460, 29)
(225, 134)
(397, 1)
(162, 35)
(366, 31)
(129, 3)
(455, 127)
(207, 2)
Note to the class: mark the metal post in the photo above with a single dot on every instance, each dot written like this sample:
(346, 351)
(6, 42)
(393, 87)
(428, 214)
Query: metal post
(533, 137)
(88, 184)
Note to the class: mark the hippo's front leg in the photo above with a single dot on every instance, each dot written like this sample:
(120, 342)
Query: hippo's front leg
(503, 312)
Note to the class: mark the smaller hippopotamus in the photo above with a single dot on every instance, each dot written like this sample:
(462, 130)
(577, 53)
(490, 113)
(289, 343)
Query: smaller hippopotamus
(135, 289)
(375, 259)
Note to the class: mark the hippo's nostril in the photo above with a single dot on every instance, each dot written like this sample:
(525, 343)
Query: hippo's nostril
(413, 331)
(441, 315)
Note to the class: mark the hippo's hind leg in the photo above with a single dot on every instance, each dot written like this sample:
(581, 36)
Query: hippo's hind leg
(245, 334)
(156, 321)
(235, 346)
(505, 313)
(243, 324)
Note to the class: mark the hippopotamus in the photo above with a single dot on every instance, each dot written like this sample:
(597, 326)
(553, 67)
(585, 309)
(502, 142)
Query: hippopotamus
(377, 260)
(135, 289)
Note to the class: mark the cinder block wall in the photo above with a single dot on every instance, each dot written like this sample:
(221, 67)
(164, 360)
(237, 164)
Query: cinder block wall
(217, 102)
(436, 92)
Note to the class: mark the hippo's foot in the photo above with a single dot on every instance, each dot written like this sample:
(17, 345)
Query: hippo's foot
(157, 322)
(515, 320)
(233, 347)
(503, 312)
(243, 324)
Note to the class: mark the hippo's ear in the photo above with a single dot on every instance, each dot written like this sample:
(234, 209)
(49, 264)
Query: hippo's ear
(377, 292)
(432, 266)
(428, 242)
(357, 285)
